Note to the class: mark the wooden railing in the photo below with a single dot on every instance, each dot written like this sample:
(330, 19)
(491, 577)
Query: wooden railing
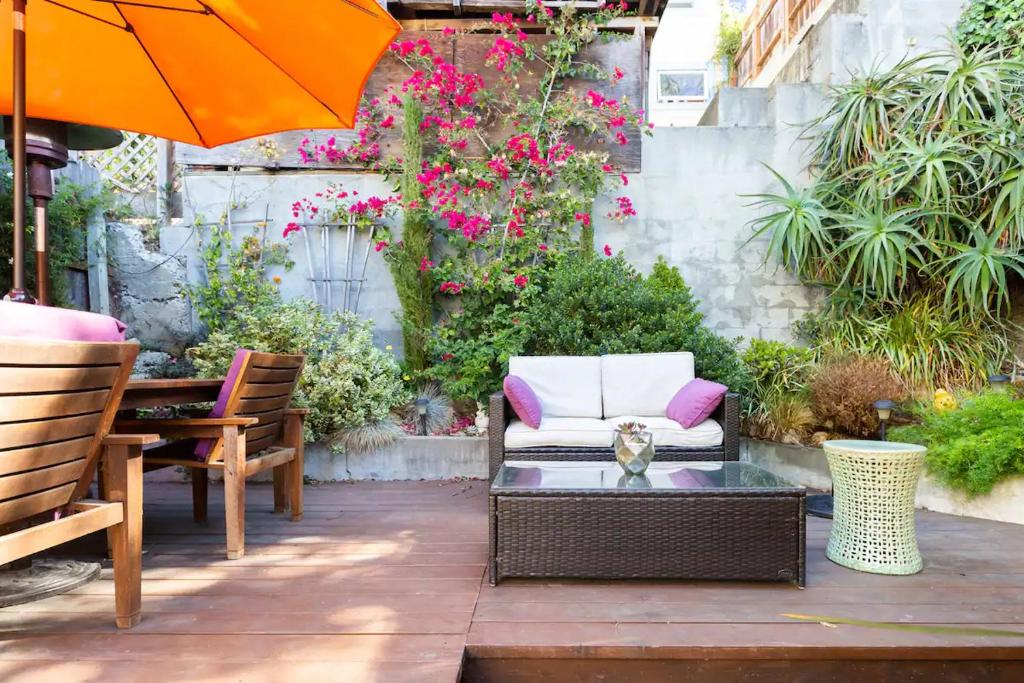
(770, 27)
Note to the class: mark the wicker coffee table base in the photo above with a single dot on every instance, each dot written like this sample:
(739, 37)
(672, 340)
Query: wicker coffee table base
(716, 535)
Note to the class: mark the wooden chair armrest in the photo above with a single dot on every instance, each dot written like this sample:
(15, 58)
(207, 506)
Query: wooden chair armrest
(297, 411)
(130, 439)
(156, 423)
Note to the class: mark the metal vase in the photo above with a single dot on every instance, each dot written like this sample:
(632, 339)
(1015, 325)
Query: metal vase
(634, 452)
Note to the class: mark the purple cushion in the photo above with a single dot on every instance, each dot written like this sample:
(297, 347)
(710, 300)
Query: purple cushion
(62, 324)
(203, 447)
(695, 402)
(522, 399)
(689, 479)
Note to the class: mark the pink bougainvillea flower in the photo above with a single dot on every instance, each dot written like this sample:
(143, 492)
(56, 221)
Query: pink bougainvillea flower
(425, 264)
(521, 280)
(381, 245)
(618, 74)
(290, 228)
(450, 287)
(448, 31)
(596, 98)
(542, 247)
(607, 168)
(620, 138)
(624, 179)
(387, 122)
(607, 250)
(583, 218)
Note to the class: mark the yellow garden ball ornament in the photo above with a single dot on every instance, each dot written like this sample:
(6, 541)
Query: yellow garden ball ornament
(944, 401)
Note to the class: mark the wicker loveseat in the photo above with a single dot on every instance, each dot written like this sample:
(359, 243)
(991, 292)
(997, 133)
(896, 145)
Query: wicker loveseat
(585, 397)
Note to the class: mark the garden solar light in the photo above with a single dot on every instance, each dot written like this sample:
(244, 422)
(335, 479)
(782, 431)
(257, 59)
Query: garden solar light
(884, 408)
(999, 382)
(421, 411)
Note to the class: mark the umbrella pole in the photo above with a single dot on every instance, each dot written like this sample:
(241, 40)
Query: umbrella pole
(18, 292)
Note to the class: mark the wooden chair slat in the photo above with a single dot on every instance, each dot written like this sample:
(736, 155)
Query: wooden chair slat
(41, 352)
(251, 406)
(278, 361)
(28, 506)
(267, 390)
(255, 446)
(268, 375)
(17, 485)
(43, 406)
(22, 434)
(254, 434)
(33, 457)
(37, 379)
(264, 416)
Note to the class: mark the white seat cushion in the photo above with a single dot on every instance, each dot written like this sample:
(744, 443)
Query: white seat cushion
(643, 383)
(667, 432)
(560, 431)
(566, 386)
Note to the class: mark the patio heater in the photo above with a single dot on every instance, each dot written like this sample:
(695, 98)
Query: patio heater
(46, 149)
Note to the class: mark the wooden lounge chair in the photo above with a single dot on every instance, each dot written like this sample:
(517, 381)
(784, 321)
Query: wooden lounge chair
(252, 415)
(57, 404)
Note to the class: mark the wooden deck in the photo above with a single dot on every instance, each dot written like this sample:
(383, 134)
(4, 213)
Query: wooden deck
(384, 582)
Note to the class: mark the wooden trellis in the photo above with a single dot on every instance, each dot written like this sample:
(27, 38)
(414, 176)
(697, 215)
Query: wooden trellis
(131, 166)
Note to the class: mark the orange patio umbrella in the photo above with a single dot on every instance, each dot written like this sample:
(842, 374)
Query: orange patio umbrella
(206, 73)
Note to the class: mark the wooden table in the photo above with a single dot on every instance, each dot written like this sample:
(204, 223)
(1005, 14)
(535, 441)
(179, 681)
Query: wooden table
(154, 393)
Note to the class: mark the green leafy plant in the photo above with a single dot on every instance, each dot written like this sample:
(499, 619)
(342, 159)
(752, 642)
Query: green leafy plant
(69, 211)
(843, 392)
(777, 396)
(993, 23)
(928, 343)
(730, 37)
(912, 220)
(973, 447)
(235, 275)
(348, 383)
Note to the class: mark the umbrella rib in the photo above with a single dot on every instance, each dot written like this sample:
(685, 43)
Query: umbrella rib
(162, 77)
(86, 14)
(276, 65)
(128, 3)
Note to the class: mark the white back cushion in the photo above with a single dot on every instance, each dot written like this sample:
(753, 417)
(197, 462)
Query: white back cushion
(643, 383)
(566, 386)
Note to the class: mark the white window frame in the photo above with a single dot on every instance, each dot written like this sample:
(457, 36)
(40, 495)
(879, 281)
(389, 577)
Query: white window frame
(670, 99)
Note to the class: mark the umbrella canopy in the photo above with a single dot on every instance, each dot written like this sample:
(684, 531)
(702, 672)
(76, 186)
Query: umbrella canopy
(205, 73)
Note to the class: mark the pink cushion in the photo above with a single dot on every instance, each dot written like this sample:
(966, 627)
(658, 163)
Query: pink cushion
(63, 324)
(523, 400)
(203, 447)
(695, 402)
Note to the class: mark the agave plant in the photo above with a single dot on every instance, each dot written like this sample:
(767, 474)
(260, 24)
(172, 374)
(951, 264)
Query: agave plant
(880, 247)
(1007, 214)
(961, 87)
(795, 227)
(863, 115)
(976, 273)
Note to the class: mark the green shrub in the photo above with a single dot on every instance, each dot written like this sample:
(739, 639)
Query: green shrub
(929, 345)
(972, 447)
(599, 306)
(993, 23)
(347, 382)
(575, 305)
(779, 373)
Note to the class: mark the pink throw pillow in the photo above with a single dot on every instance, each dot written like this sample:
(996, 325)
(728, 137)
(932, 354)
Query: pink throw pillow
(695, 402)
(523, 401)
(230, 380)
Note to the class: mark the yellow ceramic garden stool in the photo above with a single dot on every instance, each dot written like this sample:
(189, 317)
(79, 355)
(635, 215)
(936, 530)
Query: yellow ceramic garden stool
(875, 483)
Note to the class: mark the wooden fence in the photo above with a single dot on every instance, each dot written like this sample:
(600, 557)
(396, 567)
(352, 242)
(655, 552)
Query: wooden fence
(771, 26)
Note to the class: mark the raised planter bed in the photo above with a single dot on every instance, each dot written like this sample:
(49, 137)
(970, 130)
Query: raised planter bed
(807, 466)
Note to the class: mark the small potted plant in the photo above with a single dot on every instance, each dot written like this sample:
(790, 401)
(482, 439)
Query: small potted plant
(634, 447)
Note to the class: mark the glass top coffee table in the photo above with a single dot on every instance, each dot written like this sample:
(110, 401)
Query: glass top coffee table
(681, 520)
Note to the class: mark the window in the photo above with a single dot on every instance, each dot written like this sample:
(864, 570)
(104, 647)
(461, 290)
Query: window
(682, 86)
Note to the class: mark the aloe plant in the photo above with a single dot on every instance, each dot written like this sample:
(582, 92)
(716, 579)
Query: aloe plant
(976, 273)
